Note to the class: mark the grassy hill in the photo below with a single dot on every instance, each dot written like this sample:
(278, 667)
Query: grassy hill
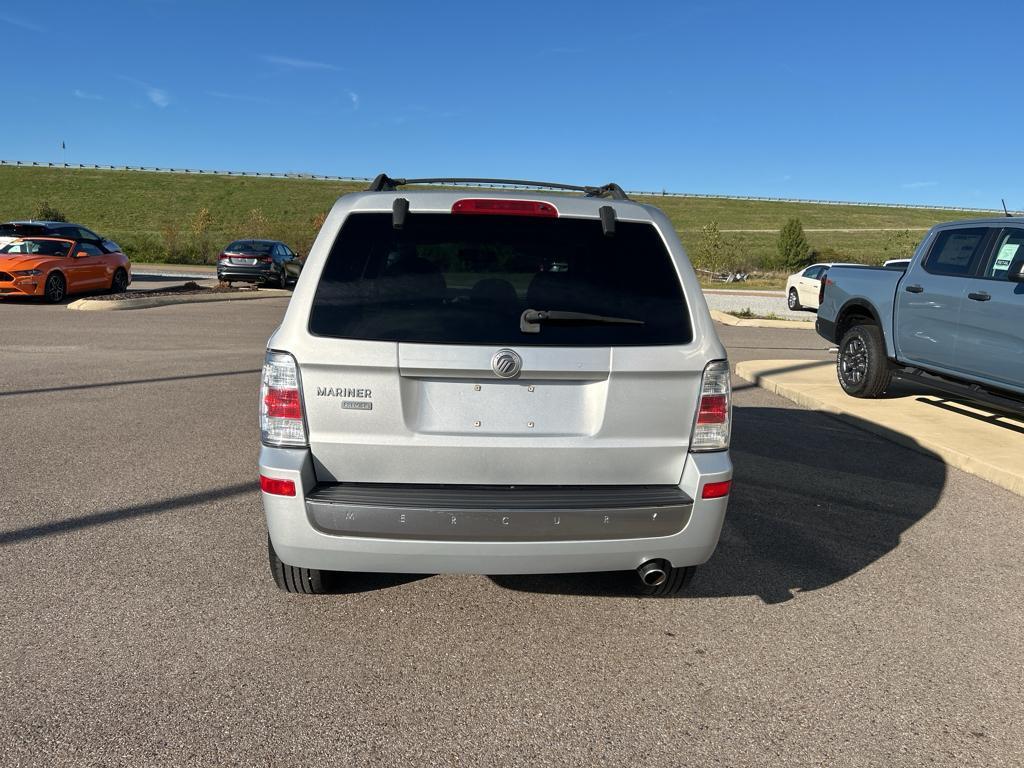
(156, 216)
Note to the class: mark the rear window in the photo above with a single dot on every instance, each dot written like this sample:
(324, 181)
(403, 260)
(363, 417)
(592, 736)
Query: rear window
(956, 251)
(451, 279)
(249, 246)
(22, 230)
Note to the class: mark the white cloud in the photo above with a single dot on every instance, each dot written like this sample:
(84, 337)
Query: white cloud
(80, 94)
(239, 97)
(14, 22)
(158, 96)
(920, 184)
(354, 98)
(290, 63)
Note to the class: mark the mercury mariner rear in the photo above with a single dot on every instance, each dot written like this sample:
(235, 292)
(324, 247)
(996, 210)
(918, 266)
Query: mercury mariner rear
(495, 382)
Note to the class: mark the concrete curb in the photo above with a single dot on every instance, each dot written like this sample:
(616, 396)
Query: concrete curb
(163, 301)
(962, 436)
(182, 275)
(726, 319)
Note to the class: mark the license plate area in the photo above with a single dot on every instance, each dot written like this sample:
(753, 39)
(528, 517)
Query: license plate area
(467, 407)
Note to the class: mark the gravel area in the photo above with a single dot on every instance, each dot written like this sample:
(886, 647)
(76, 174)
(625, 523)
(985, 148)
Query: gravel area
(760, 303)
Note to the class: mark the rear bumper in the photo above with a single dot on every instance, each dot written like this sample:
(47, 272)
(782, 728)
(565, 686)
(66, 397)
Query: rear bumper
(252, 274)
(498, 532)
(826, 329)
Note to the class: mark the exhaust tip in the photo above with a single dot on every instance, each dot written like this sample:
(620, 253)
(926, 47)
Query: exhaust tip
(653, 573)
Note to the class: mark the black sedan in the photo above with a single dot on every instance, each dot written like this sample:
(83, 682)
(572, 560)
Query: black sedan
(268, 262)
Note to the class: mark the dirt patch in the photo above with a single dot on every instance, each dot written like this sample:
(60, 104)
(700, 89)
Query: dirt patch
(189, 288)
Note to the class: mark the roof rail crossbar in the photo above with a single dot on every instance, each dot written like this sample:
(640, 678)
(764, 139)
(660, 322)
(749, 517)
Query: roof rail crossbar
(384, 183)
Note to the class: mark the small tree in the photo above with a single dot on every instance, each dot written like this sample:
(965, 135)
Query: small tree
(172, 240)
(46, 212)
(793, 249)
(200, 229)
(256, 224)
(710, 250)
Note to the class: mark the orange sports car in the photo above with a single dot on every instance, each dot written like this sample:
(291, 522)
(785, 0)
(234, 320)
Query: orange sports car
(53, 267)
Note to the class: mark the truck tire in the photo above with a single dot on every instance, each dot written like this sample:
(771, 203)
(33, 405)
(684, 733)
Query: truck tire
(861, 365)
(305, 581)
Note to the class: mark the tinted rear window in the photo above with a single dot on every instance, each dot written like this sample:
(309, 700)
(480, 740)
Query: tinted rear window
(249, 246)
(23, 230)
(956, 251)
(450, 279)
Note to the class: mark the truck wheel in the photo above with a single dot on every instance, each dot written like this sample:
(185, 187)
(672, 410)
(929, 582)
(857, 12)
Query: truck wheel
(676, 582)
(794, 300)
(861, 365)
(306, 581)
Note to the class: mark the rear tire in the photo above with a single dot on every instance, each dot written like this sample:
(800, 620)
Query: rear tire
(862, 366)
(794, 300)
(56, 288)
(676, 582)
(119, 282)
(304, 581)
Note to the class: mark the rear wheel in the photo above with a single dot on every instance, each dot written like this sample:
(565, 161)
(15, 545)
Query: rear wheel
(675, 583)
(305, 581)
(861, 365)
(794, 300)
(56, 288)
(119, 282)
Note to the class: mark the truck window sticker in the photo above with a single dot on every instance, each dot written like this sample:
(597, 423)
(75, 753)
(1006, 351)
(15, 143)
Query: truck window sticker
(1003, 259)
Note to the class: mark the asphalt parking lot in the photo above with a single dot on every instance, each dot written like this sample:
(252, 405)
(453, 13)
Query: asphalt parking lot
(863, 607)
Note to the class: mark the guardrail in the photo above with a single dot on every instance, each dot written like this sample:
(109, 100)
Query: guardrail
(639, 193)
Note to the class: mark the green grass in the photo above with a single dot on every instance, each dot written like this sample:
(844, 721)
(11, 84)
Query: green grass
(139, 209)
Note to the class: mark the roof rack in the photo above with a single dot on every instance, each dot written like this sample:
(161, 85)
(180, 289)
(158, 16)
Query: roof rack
(384, 183)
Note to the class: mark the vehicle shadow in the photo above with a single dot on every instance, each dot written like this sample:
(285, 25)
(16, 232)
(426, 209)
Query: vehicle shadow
(1009, 420)
(815, 500)
(347, 583)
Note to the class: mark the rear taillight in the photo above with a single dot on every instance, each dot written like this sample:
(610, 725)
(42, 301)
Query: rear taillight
(276, 486)
(821, 290)
(281, 416)
(223, 257)
(716, 490)
(265, 260)
(714, 413)
(506, 208)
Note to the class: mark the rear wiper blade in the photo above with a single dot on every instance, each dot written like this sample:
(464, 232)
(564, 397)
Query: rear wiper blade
(530, 320)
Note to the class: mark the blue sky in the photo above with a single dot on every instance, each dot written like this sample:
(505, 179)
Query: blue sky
(893, 101)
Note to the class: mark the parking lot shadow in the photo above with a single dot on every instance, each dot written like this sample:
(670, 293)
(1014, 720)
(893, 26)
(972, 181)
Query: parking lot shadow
(815, 500)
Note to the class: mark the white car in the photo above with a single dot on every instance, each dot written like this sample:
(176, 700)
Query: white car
(803, 287)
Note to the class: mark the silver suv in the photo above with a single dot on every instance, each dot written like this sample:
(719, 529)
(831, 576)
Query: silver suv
(494, 382)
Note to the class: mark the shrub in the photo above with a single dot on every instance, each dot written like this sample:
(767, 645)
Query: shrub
(201, 249)
(172, 241)
(793, 249)
(141, 246)
(900, 244)
(256, 224)
(46, 212)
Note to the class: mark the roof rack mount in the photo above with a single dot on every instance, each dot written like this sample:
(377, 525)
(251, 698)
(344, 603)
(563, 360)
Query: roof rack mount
(384, 183)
